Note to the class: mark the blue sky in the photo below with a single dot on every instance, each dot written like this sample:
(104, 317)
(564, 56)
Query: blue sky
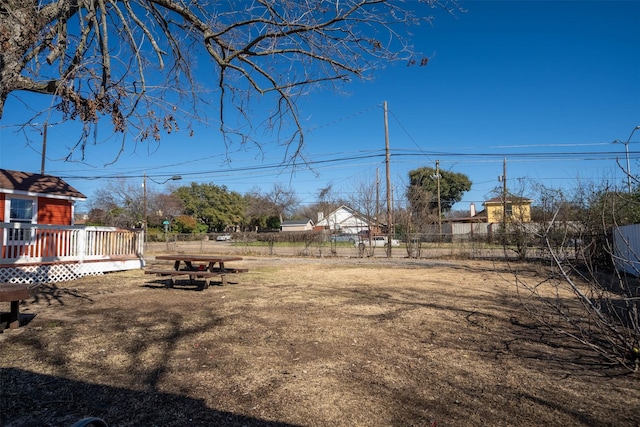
(547, 85)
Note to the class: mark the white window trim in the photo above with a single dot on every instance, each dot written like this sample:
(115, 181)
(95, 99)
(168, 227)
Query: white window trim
(7, 208)
(27, 237)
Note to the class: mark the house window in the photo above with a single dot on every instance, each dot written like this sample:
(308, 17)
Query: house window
(21, 211)
(509, 210)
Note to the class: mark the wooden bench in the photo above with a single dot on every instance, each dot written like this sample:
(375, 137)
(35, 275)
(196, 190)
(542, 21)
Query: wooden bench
(14, 293)
(193, 274)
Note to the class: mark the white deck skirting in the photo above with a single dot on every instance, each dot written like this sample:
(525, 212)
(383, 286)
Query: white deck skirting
(51, 273)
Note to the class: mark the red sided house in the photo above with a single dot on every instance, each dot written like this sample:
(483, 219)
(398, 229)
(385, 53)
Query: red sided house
(39, 241)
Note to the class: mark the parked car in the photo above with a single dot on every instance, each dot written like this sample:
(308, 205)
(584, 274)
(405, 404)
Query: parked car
(351, 238)
(223, 238)
(375, 241)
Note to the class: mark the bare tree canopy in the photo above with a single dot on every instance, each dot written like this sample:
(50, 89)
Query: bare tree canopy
(147, 65)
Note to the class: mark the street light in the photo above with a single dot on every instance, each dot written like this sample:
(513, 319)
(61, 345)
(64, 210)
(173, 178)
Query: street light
(144, 197)
(626, 150)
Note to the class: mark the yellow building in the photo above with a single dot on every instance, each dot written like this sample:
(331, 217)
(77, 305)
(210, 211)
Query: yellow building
(518, 209)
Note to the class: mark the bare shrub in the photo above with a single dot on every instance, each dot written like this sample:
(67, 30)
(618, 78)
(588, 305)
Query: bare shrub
(583, 292)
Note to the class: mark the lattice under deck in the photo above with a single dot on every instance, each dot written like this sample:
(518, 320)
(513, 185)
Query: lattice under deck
(49, 273)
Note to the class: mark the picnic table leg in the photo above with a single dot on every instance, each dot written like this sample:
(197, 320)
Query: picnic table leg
(171, 282)
(14, 315)
(176, 265)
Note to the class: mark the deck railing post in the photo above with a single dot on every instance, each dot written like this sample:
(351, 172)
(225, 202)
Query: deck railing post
(81, 244)
(20, 244)
(61, 252)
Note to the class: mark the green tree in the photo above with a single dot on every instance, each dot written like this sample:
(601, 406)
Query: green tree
(212, 205)
(423, 189)
(273, 222)
(187, 224)
(616, 208)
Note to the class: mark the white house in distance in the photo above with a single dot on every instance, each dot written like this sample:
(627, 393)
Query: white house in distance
(344, 220)
(297, 225)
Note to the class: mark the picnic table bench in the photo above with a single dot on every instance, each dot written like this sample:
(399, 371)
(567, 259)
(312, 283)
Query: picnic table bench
(213, 266)
(14, 293)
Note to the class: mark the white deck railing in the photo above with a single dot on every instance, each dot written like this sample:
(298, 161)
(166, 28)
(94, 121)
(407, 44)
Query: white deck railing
(46, 253)
(27, 243)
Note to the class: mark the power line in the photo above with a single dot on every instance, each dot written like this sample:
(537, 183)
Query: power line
(368, 155)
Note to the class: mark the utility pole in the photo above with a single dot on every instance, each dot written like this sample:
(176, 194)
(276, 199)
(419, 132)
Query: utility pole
(504, 195)
(144, 207)
(388, 161)
(377, 195)
(626, 150)
(44, 147)
(439, 205)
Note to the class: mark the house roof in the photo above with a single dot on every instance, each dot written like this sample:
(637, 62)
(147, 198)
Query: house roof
(511, 199)
(296, 222)
(334, 217)
(479, 217)
(36, 184)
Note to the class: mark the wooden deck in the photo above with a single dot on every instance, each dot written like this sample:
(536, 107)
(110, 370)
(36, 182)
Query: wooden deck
(47, 253)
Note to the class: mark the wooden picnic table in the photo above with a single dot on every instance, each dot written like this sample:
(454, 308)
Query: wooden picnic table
(198, 266)
(14, 293)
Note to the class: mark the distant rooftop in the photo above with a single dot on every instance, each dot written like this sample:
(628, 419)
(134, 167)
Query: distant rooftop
(510, 199)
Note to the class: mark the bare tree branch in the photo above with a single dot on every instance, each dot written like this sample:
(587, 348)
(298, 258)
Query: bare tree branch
(142, 63)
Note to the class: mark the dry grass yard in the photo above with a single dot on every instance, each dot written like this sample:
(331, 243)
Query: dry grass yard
(304, 342)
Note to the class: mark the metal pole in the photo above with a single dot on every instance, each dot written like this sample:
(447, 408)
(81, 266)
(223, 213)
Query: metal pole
(439, 205)
(44, 147)
(144, 208)
(504, 195)
(626, 149)
(377, 195)
(388, 161)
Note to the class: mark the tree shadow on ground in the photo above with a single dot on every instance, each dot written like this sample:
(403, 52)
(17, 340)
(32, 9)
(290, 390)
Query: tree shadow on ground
(51, 293)
(30, 399)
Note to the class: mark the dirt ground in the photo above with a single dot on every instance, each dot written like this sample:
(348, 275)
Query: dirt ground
(304, 342)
